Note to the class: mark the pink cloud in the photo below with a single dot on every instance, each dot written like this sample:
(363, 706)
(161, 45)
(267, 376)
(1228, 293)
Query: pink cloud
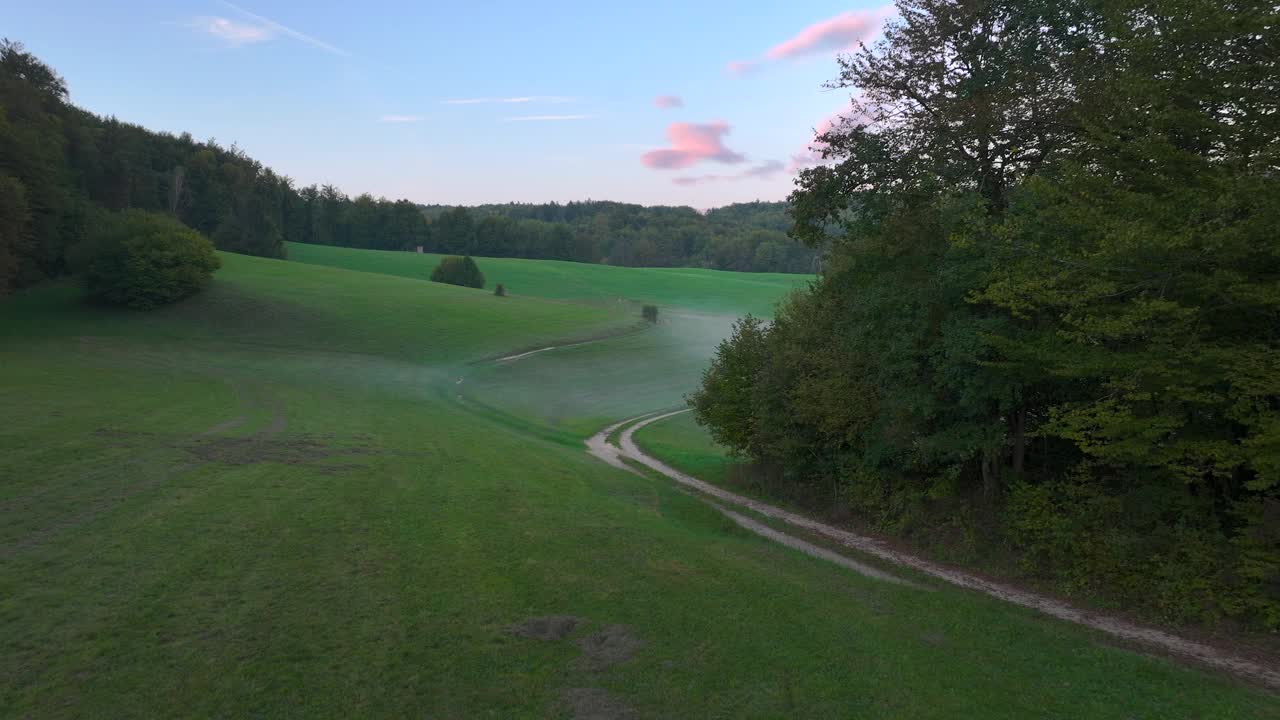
(812, 153)
(842, 32)
(668, 101)
(691, 143)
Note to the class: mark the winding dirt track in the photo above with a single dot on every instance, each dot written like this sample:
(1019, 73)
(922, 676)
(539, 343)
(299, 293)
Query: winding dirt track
(1150, 637)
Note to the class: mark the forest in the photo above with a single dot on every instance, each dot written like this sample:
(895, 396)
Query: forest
(61, 166)
(1047, 331)
(749, 237)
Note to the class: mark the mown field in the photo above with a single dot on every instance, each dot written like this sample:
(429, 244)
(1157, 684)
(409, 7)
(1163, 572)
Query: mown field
(277, 499)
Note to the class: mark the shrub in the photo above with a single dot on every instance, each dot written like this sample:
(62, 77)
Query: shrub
(500, 291)
(455, 270)
(650, 313)
(143, 260)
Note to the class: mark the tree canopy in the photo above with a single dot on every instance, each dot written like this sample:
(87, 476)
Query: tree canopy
(456, 270)
(1049, 315)
(143, 260)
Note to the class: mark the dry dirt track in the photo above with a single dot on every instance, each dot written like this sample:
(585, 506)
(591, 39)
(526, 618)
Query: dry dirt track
(1156, 639)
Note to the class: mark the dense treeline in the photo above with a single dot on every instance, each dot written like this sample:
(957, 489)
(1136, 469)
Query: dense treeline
(61, 166)
(1048, 324)
(747, 237)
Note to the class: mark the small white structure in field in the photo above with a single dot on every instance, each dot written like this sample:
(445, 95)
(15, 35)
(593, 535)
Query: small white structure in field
(419, 249)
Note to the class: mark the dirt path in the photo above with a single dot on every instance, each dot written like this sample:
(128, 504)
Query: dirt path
(599, 446)
(1151, 637)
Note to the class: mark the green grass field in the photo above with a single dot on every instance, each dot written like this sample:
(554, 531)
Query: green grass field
(713, 291)
(276, 499)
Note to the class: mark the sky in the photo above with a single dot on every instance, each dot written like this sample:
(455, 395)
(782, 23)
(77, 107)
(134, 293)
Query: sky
(660, 102)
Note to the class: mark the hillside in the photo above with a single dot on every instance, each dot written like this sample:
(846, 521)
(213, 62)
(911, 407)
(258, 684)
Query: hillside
(269, 500)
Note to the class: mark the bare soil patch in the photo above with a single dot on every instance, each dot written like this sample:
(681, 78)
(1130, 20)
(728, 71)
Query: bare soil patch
(550, 627)
(595, 704)
(607, 647)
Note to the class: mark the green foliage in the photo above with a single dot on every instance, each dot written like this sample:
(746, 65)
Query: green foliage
(15, 221)
(144, 260)
(649, 313)
(499, 290)
(456, 270)
(1064, 336)
(742, 237)
(723, 403)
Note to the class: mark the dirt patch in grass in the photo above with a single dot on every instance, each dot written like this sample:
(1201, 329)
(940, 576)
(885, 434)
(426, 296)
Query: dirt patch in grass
(550, 627)
(266, 446)
(595, 704)
(607, 647)
(287, 450)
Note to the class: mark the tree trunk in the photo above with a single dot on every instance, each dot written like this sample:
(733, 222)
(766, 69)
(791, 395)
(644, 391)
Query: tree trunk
(1019, 440)
(991, 462)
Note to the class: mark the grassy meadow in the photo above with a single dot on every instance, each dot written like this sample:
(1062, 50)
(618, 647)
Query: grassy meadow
(303, 493)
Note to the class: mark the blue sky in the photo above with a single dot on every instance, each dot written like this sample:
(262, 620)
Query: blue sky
(560, 98)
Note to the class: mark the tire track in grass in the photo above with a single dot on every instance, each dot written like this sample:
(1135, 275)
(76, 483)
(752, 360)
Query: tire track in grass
(599, 446)
(1155, 638)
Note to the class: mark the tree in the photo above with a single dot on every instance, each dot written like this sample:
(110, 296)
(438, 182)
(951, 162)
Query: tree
(456, 270)
(724, 402)
(1049, 314)
(14, 230)
(143, 260)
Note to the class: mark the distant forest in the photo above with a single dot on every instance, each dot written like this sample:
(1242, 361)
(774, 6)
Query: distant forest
(746, 236)
(61, 166)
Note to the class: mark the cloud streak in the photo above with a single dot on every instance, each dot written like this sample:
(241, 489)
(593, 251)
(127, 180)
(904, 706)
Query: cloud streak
(545, 118)
(231, 32)
(509, 100)
(840, 33)
(692, 143)
(763, 171)
(287, 31)
(667, 102)
(400, 119)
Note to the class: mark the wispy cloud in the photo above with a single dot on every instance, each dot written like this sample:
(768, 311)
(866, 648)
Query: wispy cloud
(811, 155)
(668, 101)
(545, 118)
(763, 171)
(232, 32)
(287, 31)
(400, 119)
(842, 32)
(692, 143)
(509, 100)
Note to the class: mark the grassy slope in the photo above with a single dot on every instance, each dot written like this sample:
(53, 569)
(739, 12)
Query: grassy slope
(571, 393)
(686, 446)
(355, 546)
(691, 289)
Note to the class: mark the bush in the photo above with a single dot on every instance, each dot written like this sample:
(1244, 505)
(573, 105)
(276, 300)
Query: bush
(650, 313)
(144, 260)
(455, 270)
(500, 291)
